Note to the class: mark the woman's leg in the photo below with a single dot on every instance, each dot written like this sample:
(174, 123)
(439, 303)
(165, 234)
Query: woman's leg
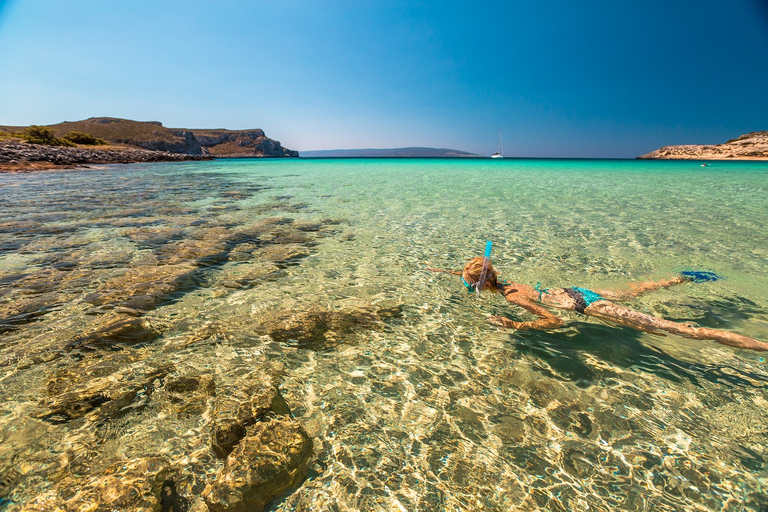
(621, 315)
(637, 289)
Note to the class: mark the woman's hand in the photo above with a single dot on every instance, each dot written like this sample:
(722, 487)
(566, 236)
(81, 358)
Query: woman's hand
(503, 322)
(548, 322)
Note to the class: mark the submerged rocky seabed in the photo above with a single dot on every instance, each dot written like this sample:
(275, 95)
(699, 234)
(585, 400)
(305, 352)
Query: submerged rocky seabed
(165, 345)
(88, 361)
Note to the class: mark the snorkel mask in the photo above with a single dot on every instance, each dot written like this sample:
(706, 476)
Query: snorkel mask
(486, 261)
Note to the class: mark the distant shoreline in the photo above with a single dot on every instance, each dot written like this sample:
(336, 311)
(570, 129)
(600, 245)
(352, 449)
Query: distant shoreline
(22, 157)
(750, 146)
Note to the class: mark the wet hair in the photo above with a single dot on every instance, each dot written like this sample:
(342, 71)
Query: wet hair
(474, 267)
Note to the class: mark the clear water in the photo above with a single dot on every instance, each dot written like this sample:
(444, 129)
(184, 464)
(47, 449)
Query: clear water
(434, 409)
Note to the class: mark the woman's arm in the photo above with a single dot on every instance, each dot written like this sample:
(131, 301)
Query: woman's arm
(547, 319)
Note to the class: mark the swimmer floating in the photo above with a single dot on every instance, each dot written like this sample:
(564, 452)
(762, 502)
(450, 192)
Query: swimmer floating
(479, 275)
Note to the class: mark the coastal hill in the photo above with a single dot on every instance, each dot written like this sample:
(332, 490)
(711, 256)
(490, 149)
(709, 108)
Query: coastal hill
(152, 135)
(415, 152)
(752, 146)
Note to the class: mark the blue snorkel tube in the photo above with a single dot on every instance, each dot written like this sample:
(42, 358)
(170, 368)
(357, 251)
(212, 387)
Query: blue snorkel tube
(484, 271)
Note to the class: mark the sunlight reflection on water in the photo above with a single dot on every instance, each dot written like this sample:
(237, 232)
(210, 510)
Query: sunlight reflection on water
(427, 406)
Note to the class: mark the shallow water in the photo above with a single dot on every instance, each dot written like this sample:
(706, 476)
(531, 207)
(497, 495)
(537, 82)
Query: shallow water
(430, 407)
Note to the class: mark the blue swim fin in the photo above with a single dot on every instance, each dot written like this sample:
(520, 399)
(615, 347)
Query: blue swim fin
(700, 276)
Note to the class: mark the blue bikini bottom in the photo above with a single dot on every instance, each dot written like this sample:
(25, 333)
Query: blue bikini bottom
(582, 297)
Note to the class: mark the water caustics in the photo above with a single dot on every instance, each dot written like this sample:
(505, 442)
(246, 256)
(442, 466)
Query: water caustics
(140, 302)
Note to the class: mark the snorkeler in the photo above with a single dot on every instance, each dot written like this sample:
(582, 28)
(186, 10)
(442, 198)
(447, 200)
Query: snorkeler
(596, 303)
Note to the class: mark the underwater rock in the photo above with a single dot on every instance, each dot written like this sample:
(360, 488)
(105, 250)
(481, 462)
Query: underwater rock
(286, 253)
(183, 385)
(197, 252)
(129, 311)
(320, 328)
(199, 506)
(572, 418)
(234, 412)
(152, 238)
(101, 397)
(189, 395)
(134, 485)
(271, 459)
(279, 206)
(235, 195)
(209, 331)
(267, 399)
(20, 312)
(111, 329)
(33, 296)
(509, 428)
(84, 370)
(225, 436)
(145, 288)
(308, 226)
(246, 276)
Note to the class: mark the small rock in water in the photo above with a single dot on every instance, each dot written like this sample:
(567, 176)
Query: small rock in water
(270, 460)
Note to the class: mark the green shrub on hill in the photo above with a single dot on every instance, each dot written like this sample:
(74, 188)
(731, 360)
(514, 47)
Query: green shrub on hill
(85, 139)
(43, 135)
(9, 135)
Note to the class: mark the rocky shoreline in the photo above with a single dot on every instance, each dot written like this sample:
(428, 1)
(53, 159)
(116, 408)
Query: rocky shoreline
(153, 136)
(751, 146)
(19, 156)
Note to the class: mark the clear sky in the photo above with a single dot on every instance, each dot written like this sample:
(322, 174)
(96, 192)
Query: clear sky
(556, 77)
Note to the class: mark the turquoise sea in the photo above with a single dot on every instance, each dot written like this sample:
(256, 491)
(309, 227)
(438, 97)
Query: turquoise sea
(412, 400)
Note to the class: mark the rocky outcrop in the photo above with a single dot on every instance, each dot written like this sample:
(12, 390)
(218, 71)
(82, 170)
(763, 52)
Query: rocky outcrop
(18, 155)
(269, 460)
(752, 146)
(186, 143)
(240, 144)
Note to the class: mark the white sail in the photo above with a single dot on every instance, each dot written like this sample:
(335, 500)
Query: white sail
(500, 152)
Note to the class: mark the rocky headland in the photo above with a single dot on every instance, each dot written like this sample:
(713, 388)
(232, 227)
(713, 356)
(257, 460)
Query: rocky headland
(134, 141)
(751, 146)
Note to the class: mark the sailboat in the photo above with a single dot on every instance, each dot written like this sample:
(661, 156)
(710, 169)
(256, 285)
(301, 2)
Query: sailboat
(500, 152)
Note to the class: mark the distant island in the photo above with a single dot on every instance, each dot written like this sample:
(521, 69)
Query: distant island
(751, 146)
(415, 152)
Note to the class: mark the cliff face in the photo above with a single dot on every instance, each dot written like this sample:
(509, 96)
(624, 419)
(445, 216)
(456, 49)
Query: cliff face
(752, 146)
(154, 136)
(239, 144)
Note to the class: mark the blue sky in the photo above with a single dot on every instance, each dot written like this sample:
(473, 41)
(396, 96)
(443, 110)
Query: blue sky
(557, 78)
